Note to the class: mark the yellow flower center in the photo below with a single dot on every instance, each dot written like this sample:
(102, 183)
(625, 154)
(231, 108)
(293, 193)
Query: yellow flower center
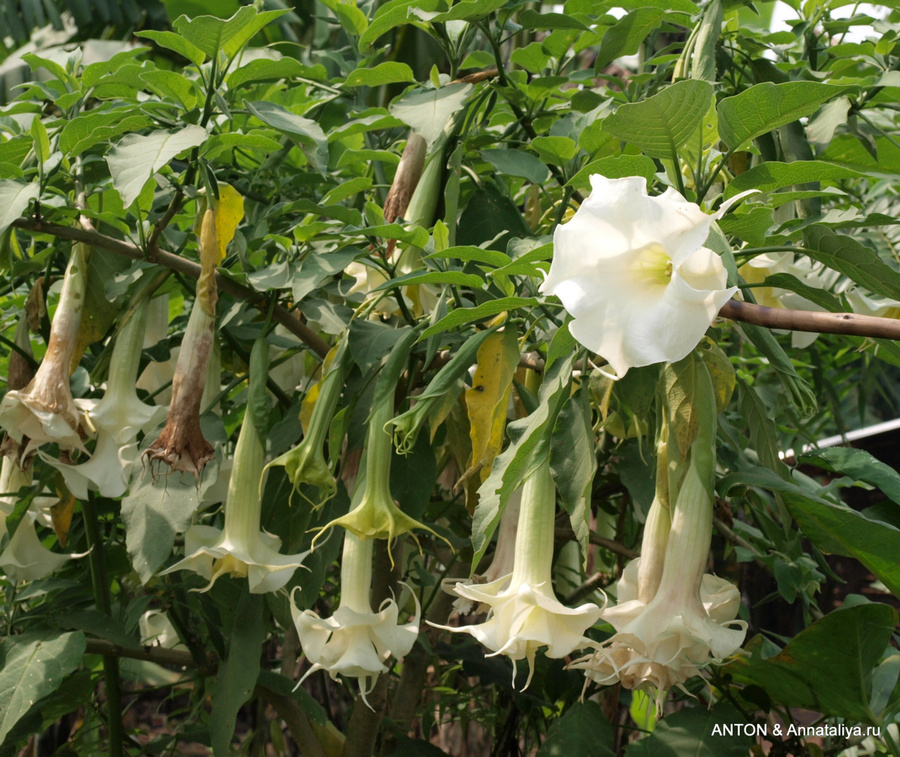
(652, 265)
(230, 565)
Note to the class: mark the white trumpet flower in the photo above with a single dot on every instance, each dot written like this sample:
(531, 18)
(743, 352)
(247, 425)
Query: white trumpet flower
(117, 418)
(633, 272)
(355, 642)
(525, 614)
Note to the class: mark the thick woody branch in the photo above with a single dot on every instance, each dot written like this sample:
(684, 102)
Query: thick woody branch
(805, 320)
(568, 534)
(184, 266)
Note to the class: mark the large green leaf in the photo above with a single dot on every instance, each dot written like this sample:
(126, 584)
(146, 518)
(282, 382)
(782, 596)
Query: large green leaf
(517, 163)
(661, 124)
(853, 259)
(827, 667)
(427, 113)
(695, 732)
(136, 158)
(158, 506)
(627, 35)
(764, 107)
(306, 132)
(237, 676)
(83, 132)
(14, 198)
(176, 43)
(774, 175)
(211, 34)
(574, 463)
(842, 531)
(33, 665)
(389, 72)
(583, 731)
(858, 465)
(393, 14)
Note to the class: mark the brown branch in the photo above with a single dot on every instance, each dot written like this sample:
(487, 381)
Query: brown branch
(805, 320)
(159, 655)
(184, 266)
(598, 541)
(290, 711)
(593, 583)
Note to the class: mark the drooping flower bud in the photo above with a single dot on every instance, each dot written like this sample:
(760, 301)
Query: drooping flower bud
(44, 411)
(181, 444)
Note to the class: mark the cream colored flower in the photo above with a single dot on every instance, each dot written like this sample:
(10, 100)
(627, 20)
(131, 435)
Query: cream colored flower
(241, 549)
(25, 557)
(118, 418)
(44, 411)
(525, 614)
(688, 622)
(633, 272)
(355, 642)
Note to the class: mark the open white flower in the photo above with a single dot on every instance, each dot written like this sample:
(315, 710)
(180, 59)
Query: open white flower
(25, 557)
(117, 418)
(525, 614)
(633, 272)
(242, 549)
(355, 642)
(668, 629)
(44, 411)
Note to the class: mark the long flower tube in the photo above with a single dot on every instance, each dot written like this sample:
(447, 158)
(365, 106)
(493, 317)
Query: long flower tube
(118, 418)
(662, 641)
(181, 444)
(377, 515)
(525, 614)
(242, 549)
(44, 411)
(355, 642)
(305, 463)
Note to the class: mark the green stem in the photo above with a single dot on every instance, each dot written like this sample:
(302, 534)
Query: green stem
(534, 539)
(100, 583)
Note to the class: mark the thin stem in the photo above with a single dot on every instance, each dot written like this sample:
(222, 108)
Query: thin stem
(184, 266)
(100, 582)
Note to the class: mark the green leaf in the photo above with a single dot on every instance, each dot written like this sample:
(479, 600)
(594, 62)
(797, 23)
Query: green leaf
(315, 269)
(614, 167)
(531, 19)
(840, 530)
(853, 259)
(627, 34)
(764, 107)
(256, 140)
(555, 150)
(491, 258)
(392, 14)
(774, 175)
(370, 341)
(462, 316)
(157, 507)
(827, 667)
(237, 676)
(263, 69)
(135, 158)
(490, 217)
(661, 124)
(173, 87)
(435, 277)
(583, 731)
(428, 112)
(14, 199)
(858, 465)
(33, 665)
(517, 163)
(695, 732)
(211, 34)
(177, 43)
(389, 72)
(574, 463)
(821, 297)
(466, 9)
(83, 132)
(352, 18)
(304, 131)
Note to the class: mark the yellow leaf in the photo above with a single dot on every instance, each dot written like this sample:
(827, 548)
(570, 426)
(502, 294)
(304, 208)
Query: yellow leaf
(306, 407)
(217, 228)
(229, 211)
(487, 400)
(61, 514)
